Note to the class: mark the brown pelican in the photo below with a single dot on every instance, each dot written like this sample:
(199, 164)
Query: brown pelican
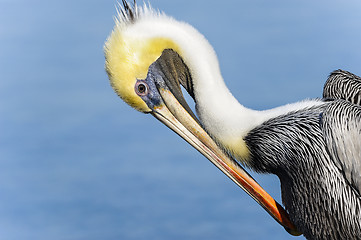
(313, 146)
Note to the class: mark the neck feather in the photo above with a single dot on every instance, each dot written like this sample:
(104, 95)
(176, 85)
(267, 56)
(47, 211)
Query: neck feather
(224, 118)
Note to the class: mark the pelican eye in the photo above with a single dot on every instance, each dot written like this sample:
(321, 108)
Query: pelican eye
(141, 88)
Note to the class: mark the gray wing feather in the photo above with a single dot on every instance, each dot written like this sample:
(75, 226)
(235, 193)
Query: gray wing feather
(341, 126)
(343, 85)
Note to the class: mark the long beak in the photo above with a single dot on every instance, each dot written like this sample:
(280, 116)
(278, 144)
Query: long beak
(176, 117)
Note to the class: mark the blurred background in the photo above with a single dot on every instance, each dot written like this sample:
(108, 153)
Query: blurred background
(78, 163)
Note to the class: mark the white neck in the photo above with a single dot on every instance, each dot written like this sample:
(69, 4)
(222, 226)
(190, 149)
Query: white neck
(218, 110)
(220, 113)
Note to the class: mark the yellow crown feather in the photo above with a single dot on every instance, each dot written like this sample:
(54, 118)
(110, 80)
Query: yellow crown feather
(128, 57)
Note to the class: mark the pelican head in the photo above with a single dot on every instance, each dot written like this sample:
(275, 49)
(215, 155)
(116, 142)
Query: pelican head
(138, 40)
(149, 56)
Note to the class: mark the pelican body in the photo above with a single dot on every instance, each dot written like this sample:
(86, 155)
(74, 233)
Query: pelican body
(313, 146)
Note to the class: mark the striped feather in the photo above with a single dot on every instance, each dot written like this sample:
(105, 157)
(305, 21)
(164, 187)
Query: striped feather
(343, 85)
